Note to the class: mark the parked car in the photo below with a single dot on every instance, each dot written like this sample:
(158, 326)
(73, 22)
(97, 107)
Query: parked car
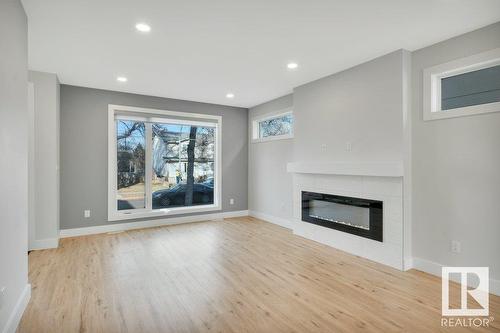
(209, 182)
(175, 196)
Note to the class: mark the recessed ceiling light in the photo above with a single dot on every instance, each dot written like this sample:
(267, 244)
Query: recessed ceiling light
(292, 65)
(121, 79)
(143, 27)
(229, 95)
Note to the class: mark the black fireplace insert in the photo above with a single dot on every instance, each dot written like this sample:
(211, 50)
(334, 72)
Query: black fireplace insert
(357, 216)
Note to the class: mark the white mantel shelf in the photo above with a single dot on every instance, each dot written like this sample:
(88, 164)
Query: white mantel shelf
(376, 169)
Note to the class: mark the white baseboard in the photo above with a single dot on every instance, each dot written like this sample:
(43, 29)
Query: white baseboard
(17, 312)
(148, 224)
(434, 268)
(272, 219)
(427, 266)
(407, 263)
(42, 244)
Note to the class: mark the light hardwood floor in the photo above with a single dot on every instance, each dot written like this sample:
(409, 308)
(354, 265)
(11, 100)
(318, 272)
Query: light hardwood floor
(236, 275)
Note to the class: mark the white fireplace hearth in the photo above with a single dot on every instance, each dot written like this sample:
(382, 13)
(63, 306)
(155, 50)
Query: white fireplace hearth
(374, 181)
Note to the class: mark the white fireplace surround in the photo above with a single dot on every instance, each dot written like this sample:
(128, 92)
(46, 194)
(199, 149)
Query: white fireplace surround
(377, 181)
(387, 169)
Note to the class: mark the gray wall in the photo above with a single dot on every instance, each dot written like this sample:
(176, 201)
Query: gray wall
(46, 158)
(84, 150)
(456, 169)
(361, 106)
(269, 185)
(14, 154)
(455, 162)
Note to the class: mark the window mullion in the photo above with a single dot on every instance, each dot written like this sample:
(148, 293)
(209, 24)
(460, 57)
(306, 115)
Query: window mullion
(149, 167)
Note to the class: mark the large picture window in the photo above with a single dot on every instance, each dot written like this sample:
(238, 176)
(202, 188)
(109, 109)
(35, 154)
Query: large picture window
(162, 162)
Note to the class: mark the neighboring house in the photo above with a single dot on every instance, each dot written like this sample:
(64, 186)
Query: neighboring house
(170, 155)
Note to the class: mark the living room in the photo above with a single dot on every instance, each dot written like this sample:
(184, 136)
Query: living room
(250, 166)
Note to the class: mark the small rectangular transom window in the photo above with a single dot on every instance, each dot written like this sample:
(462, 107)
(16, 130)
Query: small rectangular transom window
(473, 88)
(273, 127)
(463, 87)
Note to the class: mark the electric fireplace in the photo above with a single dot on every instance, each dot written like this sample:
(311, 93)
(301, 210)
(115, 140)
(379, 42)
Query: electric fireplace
(357, 216)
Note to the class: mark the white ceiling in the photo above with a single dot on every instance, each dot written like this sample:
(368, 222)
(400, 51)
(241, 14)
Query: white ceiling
(201, 49)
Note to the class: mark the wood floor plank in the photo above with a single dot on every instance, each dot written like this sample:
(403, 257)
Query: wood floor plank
(235, 275)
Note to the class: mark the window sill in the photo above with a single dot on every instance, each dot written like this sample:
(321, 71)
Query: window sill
(273, 138)
(129, 215)
(462, 112)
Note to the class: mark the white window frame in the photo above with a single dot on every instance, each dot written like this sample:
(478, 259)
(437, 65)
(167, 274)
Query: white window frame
(432, 85)
(160, 115)
(256, 121)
